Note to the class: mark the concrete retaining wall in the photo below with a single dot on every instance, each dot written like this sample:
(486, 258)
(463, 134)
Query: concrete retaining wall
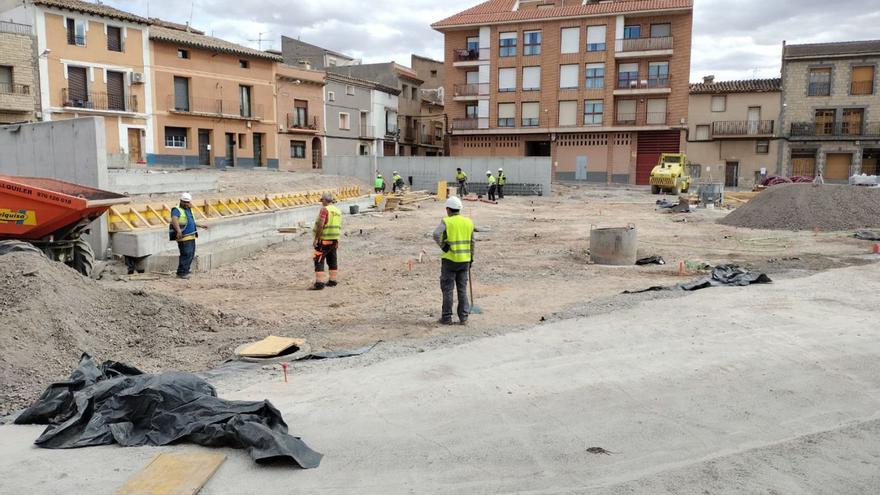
(427, 171)
(148, 181)
(72, 150)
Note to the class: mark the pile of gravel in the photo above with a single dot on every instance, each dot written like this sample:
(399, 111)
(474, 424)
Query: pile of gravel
(827, 207)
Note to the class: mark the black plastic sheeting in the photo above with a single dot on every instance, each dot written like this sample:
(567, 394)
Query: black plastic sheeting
(651, 260)
(116, 403)
(867, 235)
(721, 275)
(340, 354)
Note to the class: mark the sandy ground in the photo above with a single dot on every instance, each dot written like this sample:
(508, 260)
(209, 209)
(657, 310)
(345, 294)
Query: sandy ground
(762, 389)
(531, 263)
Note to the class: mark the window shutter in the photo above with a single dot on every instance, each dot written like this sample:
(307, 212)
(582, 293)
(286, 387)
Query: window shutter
(531, 78)
(181, 93)
(719, 103)
(571, 40)
(626, 109)
(507, 36)
(115, 90)
(702, 133)
(530, 110)
(507, 110)
(567, 113)
(595, 34)
(568, 76)
(76, 84)
(114, 38)
(507, 79)
(623, 68)
(473, 77)
(656, 111)
(863, 74)
(660, 30)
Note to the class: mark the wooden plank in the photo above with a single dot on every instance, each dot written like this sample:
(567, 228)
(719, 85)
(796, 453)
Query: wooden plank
(173, 474)
(270, 346)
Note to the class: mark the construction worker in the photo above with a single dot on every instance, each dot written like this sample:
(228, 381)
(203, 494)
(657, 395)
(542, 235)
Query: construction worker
(502, 179)
(461, 178)
(396, 182)
(184, 230)
(328, 229)
(455, 236)
(379, 184)
(492, 184)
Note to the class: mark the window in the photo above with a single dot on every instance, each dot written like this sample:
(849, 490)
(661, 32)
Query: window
(6, 79)
(595, 38)
(825, 121)
(595, 78)
(404, 92)
(244, 64)
(719, 103)
(300, 113)
(661, 30)
(364, 150)
(531, 42)
(862, 80)
(820, 82)
(852, 121)
(568, 76)
(344, 121)
(593, 111)
(181, 53)
(244, 93)
(433, 73)
(530, 113)
(242, 141)
(76, 32)
(506, 114)
(471, 111)
(415, 93)
(175, 137)
(473, 44)
(331, 62)
(702, 133)
(114, 39)
(116, 90)
(571, 40)
(297, 149)
(349, 90)
(632, 32)
(762, 146)
(656, 111)
(531, 78)
(77, 87)
(628, 76)
(507, 45)
(658, 74)
(568, 113)
(506, 80)
(181, 94)
(626, 111)
(472, 77)
(331, 96)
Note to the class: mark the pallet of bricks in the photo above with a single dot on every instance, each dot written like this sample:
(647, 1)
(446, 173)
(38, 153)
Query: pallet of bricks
(403, 201)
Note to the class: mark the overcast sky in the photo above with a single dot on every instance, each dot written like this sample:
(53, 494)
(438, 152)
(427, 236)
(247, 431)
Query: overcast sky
(733, 39)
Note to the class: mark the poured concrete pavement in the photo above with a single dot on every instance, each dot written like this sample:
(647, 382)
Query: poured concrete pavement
(779, 391)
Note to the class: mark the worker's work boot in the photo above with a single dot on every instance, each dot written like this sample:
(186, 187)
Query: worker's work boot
(332, 283)
(445, 321)
(317, 286)
(463, 322)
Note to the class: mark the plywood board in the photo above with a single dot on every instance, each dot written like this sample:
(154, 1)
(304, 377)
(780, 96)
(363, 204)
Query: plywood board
(173, 474)
(270, 346)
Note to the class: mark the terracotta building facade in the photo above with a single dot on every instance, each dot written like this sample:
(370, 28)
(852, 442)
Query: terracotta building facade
(600, 87)
(299, 97)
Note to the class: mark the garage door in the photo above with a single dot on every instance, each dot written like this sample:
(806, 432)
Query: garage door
(804, 165)
(837, 166)
(650, 146)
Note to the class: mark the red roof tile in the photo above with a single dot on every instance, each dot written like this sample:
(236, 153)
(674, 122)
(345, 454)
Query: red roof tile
(501, 11)
(744, 86)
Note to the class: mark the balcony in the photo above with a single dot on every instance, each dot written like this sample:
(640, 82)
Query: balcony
(639, 85)
(391, 129)
(742, 128)
(215, 108)
(835, 130)
(307, 125)
(640, 47)
(15, 28)
(102, 102)
(465, 92)
(465, 124)
(861, 88)
(470, 57)
(16, 98)
(641, 118)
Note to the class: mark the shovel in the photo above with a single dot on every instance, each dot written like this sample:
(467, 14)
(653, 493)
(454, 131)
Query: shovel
(475, 310)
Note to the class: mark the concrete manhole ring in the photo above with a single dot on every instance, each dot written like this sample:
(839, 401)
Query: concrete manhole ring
(293, 354)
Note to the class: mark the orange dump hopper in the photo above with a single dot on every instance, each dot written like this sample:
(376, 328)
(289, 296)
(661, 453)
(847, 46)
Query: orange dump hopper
(33, 208)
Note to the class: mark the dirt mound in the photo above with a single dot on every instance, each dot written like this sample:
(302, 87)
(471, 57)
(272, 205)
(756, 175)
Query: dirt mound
(827, 207)
(50, 314)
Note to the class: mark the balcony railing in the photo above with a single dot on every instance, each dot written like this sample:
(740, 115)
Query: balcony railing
(308, 124)
(470, 55)
(644, 44)
(471, 89)
(742, 128)
(14, 28)
(391, 129)
(216, 107)
(15, 89)
(819, 89)
(642, 118)
(99, 101)
(367, 131)
(635, 82)
(860, 88)
(465, 124)
(835, 129)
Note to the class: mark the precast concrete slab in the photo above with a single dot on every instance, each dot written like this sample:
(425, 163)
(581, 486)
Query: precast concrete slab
(135, 182)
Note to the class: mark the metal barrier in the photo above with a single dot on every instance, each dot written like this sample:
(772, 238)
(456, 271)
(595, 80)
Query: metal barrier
(129, 218)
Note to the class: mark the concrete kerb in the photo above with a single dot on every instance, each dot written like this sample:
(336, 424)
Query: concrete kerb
(226, 240)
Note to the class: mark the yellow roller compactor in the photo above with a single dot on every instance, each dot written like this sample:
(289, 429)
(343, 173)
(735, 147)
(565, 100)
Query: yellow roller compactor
(670, 175)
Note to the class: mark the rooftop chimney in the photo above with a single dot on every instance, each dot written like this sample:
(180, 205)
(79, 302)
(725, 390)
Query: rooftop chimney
(708, 79)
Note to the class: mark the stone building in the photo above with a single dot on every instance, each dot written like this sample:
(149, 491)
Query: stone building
(19, 89)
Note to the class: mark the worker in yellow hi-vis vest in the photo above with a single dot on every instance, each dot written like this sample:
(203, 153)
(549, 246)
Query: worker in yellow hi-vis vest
(455, 236)
(328, 230)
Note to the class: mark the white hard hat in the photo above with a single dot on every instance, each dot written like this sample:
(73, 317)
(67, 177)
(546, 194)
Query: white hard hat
(500, 169)
(327, 196)
(186, 197)
(488, 172)
(453, 203)
(395, 172)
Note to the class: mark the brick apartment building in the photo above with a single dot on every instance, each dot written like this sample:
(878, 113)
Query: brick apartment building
(601, 87)
(831, 109)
